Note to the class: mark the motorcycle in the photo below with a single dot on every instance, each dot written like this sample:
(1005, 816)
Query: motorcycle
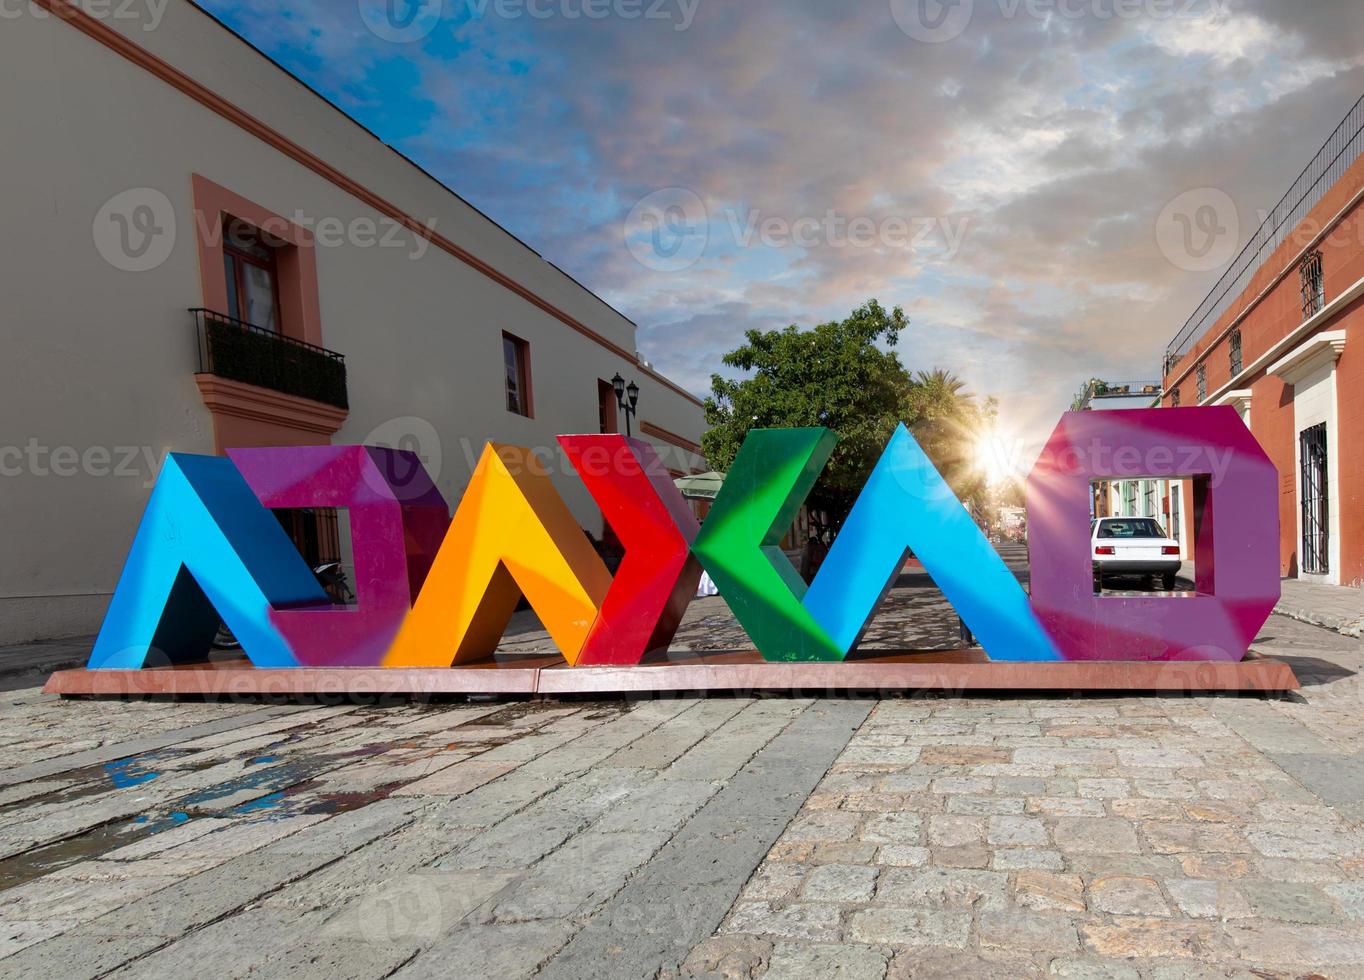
(330, 575)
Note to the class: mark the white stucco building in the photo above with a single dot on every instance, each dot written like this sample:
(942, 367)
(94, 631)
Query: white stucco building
(343, 296)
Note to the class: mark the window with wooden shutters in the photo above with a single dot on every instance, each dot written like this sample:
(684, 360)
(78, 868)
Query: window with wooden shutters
(1313, 285)
(516, 361)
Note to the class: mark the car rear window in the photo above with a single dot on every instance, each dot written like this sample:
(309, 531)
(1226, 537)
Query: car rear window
(1134, 527)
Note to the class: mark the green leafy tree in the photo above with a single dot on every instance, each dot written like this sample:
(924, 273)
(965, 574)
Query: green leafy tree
(839, 374)
(843, 375)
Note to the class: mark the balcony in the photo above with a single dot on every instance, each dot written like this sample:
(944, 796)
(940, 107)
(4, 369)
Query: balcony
(1336, 156)
(239, 351)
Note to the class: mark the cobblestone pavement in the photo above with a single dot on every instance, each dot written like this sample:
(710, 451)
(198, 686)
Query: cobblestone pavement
(729, 837)
(1112, 838)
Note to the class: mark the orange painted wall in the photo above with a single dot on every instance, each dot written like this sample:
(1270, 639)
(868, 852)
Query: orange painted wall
(1271, 421)
(1274, 317)
(1343, 263)
(231, 432)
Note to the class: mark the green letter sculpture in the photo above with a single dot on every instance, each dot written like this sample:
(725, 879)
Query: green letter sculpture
(740, 541)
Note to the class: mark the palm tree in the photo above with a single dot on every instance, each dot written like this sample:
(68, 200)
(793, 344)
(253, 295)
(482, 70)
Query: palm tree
(947, 421)
(940, 394)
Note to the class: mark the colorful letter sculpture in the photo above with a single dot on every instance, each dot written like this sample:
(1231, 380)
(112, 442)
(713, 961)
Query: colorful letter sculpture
(740, 542)
(437, 593)
(1235, 523)
(206, 552)
(907, 505)
(512, 535)
(658, 575)
(397, 521)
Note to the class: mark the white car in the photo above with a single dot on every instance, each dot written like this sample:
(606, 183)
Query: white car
(1133, 546)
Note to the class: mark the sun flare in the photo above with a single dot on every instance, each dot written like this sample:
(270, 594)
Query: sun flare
(997, 458)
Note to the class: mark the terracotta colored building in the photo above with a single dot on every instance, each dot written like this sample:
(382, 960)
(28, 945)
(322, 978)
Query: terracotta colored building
(1281, 338)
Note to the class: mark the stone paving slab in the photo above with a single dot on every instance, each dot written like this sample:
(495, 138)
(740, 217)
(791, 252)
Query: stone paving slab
(679, 897)
(533, 851)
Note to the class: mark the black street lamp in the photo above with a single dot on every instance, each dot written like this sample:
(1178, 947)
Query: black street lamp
(627, 397)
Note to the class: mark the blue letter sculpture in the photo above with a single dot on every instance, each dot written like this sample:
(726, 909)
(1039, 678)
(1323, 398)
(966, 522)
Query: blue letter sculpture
(206, 551)
(906, 505)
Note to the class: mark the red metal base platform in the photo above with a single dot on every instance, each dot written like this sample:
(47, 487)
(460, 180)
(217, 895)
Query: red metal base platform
(884, 672)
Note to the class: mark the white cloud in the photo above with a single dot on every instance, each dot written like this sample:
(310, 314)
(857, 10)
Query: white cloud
(1061, 141)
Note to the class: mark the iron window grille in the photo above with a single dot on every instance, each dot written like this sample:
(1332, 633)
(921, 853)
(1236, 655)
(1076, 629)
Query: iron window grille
(1202, 383)
(1174, 397)
(1314, 472)
(1313, 285)
(315, 531)
(241, 351)
(1236, 360)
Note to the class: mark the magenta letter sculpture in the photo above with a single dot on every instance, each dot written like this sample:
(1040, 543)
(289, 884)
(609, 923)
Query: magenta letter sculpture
(397, 520)
(1234, 519)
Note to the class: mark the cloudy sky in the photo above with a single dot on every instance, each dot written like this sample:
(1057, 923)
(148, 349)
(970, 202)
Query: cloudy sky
(1048, 187)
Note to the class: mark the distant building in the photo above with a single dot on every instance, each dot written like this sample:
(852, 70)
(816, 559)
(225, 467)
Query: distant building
(1281, 339)
(1013, 523)
(1137, 498)
(340, 294)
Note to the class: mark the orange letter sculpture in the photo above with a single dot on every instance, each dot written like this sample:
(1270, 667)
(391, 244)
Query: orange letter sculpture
(512, 535)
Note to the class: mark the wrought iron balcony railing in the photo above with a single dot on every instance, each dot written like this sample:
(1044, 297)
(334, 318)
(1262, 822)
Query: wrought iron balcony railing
(1336, 155)
(240, 351)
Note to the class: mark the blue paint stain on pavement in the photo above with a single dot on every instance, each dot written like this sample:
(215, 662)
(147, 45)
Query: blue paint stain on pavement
(127, 772)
